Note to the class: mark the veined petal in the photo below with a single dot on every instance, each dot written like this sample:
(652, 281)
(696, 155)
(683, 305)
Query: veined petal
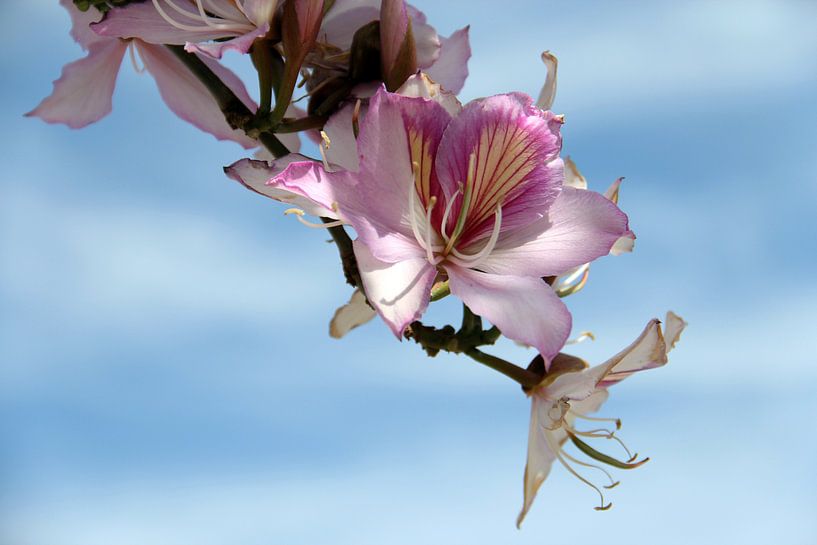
(254, 175)
(399, 291)
(141, 20)
(548, 93)
(525, 309)
(351, 315)
(216, 50)
(188, 97)
(83, 93)
(516, 149)
(673, 327)
(540, 455)
(580, 226)
(450, 69)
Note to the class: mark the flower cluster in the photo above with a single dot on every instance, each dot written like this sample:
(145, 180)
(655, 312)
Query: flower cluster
(473, 201)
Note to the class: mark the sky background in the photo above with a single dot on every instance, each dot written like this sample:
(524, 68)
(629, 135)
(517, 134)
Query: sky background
(166, 375)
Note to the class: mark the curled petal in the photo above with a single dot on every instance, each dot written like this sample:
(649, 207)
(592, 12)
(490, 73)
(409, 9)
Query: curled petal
(215, 50)
(540, 456)
(421, 86)
(673, 327)
(351, 315)
(255, 175)
(574, 178)
(83, 93)
(548, 93)
(525, 309)
(80, 24)
(399, 291)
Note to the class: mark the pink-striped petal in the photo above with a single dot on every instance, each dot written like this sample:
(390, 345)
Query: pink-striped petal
(83, 93)
(188, 98)
(516, 147)
(525, 309)
(399, 291)
(450, 68)
(579, 227)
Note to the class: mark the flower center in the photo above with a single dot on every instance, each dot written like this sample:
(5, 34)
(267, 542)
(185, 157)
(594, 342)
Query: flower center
(564, 416)
(438, 253)
(204, 19)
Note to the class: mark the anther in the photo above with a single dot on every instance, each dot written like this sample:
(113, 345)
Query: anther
(298, 213)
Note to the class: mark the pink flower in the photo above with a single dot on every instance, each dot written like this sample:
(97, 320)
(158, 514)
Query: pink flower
(571, 391)
(83, 93)
(474, 195)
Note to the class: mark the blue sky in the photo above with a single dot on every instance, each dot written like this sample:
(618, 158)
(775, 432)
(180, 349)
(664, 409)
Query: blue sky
(165, 370)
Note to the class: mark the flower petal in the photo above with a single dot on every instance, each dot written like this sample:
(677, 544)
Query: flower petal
(673, 327)
(525, 309)
(80, 24)
(83, 93)
(142, 20)
(648, 351)
(188, 97)
(426, 41)
(351, 315)
(421, 86)
(399, 291)
(216, 50)
(574, 178)
(516, 147)
(342, 150)
(254, 175)
(344, 18)
(540, 455)
(450, 69)
(548, 93)
(580, 227)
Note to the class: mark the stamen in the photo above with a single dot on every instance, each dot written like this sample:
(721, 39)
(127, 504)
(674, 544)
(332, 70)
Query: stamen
(466, 203)
(431, 202)
(356, 121)
(448, 212)
(597, 419)
(323, 147)
(203, 14)
(214, 8)
(613, 483)
(134, 61)
(476, 259)
(299, 215)
(183, 11)
(583, 336)
(230, 28)
(557, 450)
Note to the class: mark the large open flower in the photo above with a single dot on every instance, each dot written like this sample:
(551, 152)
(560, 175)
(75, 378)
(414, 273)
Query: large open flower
(474, 196)
(570, 393)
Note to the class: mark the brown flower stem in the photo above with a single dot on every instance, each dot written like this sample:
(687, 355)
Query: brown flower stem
(524, 377)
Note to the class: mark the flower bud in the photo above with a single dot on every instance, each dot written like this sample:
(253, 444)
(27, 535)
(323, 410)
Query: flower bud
(398, 55)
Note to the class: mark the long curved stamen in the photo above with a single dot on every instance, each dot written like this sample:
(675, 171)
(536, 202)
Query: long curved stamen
(613, 482)
(557, 450)
(214, 8)
(447, 213)
(476, 259)
(183, 12)
(300, 213)
(466, 204)
(204, 17)
(234, 28)
(134, 61)
(413, 212)
(617, 421)
(603, 433)
(429, 254)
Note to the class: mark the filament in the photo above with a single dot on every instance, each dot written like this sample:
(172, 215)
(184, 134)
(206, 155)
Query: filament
(475, 259)
(134, 61)
(557, 450)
